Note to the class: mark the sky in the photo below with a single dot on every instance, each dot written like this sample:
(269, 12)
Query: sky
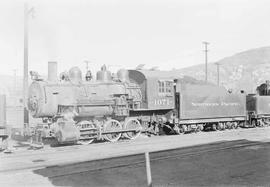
(124, 33)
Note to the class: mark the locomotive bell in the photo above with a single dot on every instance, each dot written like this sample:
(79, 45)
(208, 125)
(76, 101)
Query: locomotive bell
(122, 75)
(75, 75)
(104, 75)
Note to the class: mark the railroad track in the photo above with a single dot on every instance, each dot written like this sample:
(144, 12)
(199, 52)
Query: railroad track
(64, 148)
(77, 154)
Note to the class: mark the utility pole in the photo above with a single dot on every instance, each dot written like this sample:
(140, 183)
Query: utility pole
(205, 50)
(217, 64)
(27, 12)
(25, 66)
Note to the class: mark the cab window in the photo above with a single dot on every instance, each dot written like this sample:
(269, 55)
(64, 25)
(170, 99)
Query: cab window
(165, 87)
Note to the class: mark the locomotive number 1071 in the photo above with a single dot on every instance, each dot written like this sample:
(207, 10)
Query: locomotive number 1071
(159, 102)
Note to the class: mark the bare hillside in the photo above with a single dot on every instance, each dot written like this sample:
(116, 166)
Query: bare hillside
(242, 71)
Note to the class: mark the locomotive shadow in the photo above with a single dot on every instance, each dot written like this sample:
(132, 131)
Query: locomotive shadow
(117, 171)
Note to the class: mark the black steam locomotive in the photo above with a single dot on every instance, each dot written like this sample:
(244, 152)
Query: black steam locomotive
(134, 101)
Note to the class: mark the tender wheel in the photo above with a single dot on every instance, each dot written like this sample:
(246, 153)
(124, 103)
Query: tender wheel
(199, 128)
(132, 124)
(112, 125)
(234, 125)
(59, 137)
(220, 127)
(253, 123)
(184, 128)
(231, 125)
(239, 124)
(267, 122)
(177, 130)
(214, 127)
(260, 123)
(83, 125)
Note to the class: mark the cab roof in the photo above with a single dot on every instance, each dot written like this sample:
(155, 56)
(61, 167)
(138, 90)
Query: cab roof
(168, 75)
(159, 74)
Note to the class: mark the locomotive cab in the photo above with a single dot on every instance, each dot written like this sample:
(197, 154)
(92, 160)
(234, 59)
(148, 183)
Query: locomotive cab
(157, 91)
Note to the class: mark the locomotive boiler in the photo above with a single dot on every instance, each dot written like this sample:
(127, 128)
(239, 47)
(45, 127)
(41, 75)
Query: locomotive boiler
(74, 109)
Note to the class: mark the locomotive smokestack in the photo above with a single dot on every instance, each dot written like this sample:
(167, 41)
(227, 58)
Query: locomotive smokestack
(52, 71)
